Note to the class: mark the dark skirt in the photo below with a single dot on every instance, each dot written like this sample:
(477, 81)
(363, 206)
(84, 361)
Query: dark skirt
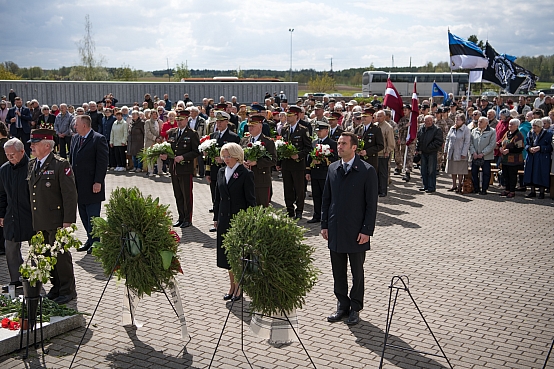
(222, 261)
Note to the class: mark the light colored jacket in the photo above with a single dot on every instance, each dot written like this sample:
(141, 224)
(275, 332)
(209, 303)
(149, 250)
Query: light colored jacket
(457, 143)
(118, 136)
(483, 142)
(151, 131)
(388, 137)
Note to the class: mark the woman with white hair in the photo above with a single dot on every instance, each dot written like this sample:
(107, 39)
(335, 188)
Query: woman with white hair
(511, 148)
(456, 149)
(537, 163)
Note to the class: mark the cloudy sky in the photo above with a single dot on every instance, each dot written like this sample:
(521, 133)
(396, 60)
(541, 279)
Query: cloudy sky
(255, 34)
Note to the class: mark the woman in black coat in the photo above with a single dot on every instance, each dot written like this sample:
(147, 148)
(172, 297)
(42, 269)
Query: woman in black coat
(235, 191)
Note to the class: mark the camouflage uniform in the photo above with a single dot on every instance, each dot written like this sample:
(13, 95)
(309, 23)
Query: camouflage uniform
(444, 127)
(403, 126)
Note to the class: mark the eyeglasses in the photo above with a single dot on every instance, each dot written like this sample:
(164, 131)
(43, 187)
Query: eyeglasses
(226, 157)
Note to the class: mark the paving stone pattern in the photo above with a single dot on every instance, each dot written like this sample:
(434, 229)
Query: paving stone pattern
(480, 268)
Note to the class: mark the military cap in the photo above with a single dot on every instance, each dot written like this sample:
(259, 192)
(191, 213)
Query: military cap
(368, 112)
(257, 107)
(255, 119)
(425, 106)
(293, 109)
(321, 125)
(319, 106)
(407, 106)
(220, 106)
(440, 110)
(38, 135)
(221, 115)
(182, 114)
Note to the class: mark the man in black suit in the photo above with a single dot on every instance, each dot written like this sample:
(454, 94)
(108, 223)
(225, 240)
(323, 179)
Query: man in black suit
(316, 171)
(222, 135)
(89, 159)
(20, 119)
(347, 222)
(95, 117)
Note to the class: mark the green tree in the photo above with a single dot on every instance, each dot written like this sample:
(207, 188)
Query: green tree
(6, 74)
(321, 83)
(92, 69)
(476, 41)
(11, 67)
(181, 71)
(125, 73)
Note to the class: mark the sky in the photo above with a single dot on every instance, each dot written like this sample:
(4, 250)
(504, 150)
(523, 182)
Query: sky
(248, 34)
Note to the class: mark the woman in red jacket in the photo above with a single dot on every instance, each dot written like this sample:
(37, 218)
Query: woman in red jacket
(171, 123)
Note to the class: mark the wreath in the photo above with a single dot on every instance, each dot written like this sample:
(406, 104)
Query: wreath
(280, 271)
(142, 226)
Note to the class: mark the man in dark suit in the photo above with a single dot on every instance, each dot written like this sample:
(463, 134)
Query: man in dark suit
(316, 171)
(348, 215)
(54, 202)
(293, 168)
(89, 159)
(372, 136)
(20, 119)
(223, 135)
(95, 117)
(261, 167)
(184, 142)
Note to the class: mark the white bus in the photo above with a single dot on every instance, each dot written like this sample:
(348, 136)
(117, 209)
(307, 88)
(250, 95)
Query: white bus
(375, 82)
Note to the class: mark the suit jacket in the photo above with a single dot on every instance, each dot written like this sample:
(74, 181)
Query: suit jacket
(89, 162)
(185, 145)
(349, 205)
(25, 120)
(96, 120)
(373, 142)
(262, 169)
(303, 143)
(319, 171)
(228, 136)
(232, 197)
(53, 193)
(335, 136)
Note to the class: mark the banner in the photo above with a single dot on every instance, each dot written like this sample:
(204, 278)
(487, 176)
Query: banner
(505, 73)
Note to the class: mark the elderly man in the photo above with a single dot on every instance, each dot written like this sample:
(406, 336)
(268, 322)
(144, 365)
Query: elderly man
(54, 203)
(15, 206)
(62, 126)
(429, 142)
(384, 154)
(539, 100)
(95, 117)
(547, 105)
(491, 116)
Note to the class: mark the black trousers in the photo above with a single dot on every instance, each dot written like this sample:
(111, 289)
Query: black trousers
(65, 144)
(339, 263)
(383, 175)
(294, 188)
(24, 137)
(182, 190)
(111, 158)
(510, 176)
(119, 153)
(62, 277)
(317, 196)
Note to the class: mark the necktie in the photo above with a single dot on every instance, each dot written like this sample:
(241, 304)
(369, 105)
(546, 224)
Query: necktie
(81, 140)
(345, 167)
(37, 167)
(253, 139)
(291, 131)
(18, 118)
(179, 134)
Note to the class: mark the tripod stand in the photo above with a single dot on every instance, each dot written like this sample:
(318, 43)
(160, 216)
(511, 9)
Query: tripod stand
(252, 264)
(126, 238)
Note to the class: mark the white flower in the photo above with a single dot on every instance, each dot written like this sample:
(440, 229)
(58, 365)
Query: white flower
(207, 144)
(279, 143)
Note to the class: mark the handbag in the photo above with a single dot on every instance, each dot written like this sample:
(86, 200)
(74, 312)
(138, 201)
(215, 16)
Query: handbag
(417, 158)
(479, 162)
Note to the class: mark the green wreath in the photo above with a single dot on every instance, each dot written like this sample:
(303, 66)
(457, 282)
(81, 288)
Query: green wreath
(149, 260)
(281, 271)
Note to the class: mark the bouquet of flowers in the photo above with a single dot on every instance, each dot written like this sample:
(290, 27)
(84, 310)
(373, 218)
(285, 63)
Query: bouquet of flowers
(149, 155)
(284, 149)
(209, 147)
(255, 151)
(321, 153)
(361, 144)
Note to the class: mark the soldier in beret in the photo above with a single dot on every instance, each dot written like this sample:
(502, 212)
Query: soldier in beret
(53, 205)
(372, 136)
(184, 143)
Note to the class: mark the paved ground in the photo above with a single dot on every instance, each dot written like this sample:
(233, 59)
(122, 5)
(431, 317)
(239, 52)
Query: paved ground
(481, 269)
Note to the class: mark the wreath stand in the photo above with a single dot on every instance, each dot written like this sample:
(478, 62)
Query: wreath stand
(129, 300)
(253, 264)
(404, 287)
(548, 355)
(32, 325)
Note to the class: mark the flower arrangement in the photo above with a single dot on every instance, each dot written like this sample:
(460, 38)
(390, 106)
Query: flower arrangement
(255, 151)
(209, 147)
(42, 257)
(321, 153)
(149, 260)
(361, 144)
(284, 149)
(149, 155)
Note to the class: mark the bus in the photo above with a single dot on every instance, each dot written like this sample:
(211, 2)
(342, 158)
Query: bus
(375, 82)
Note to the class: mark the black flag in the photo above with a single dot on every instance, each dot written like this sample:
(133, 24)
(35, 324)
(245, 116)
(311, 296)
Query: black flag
(502, 71)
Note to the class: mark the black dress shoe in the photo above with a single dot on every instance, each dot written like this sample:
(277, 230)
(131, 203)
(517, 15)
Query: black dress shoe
(397, 172)
(382, 195)
(236, 297)
(213, 229)
(298, 217)
(482, 192)
(531, 194)
(64, 299)
(314, 220)
(2, 252)
(337, 316)
(227, 296)
(85, 247)
(353, 318)
(211, 210)
(429, 191)
(51, 295)
(186, 224)
(89, 251)
(178, 223)
(422, 189)
(541, 195)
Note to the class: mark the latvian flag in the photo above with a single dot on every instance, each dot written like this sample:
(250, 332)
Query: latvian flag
(412, 131)
(465, 54)
(393, 101)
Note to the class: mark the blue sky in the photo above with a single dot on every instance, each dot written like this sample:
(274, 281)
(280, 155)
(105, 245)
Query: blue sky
(254, 34)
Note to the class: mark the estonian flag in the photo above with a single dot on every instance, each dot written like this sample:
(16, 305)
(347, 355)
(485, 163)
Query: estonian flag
(437, 91)
(465, 54)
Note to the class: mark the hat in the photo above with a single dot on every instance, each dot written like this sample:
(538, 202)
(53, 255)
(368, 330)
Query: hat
(276, 112)
(257, 107)
(181, 113)
(357, 114)
(513, 113)
(332, 100)
(220, 106)
(293, 109)
(407, 106)
(221, 115)
(352, 102)
(439, 110)
(319, 106)
(336, 115)
(38, 135)
(368, 112)
(425, 106)
(284, 101)
(321, 125)
(484, 97)
(255, 119)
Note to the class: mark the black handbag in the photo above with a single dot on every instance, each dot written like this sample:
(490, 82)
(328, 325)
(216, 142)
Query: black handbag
(479, 162)
(417, 158)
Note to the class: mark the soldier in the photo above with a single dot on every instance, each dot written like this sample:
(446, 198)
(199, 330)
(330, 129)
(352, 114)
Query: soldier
(399, 151)
(54, 204)
(293, 168)
(318, 109)
(444, 127)
(372, 137)
(261, 167)
(318, 173)
(334, 130)
(184, 143)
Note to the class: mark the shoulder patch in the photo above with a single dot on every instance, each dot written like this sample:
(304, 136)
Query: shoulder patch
(67, 171)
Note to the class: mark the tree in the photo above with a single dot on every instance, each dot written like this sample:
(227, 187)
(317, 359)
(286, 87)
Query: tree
(125, 73)
(321, 83)
(5, 74)
(181, 71)
(476, 41)
(92, 66)
(11, 67)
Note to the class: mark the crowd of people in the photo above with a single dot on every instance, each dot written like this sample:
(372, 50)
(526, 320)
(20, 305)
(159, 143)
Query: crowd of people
(469, 140)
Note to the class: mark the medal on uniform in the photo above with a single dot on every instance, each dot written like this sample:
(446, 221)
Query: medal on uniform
(47, 184)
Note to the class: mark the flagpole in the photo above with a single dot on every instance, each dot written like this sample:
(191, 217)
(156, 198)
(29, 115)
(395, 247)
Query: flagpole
(468, 95)
(405, 145)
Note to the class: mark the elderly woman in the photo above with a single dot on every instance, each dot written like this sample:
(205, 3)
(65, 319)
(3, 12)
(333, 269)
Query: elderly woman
(118, 141)
(171, 123)
(135, 142)
(537, 163)
(481, 149)
(511, 148)
(235, 191)
(151, 133)
(456, 148)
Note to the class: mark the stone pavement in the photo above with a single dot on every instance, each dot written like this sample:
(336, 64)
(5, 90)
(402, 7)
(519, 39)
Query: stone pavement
(481, 270)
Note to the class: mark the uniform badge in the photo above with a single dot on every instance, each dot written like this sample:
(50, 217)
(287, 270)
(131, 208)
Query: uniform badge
(48, 184)
(48, 172)
(68, 171)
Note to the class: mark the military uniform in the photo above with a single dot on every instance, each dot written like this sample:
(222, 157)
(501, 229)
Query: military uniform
(399, 149)
(373, 143)
(293, 170)
(444, 127)
(262, 169)
(334, 135)
(54, 202)
(185, 145)
(318, 174)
